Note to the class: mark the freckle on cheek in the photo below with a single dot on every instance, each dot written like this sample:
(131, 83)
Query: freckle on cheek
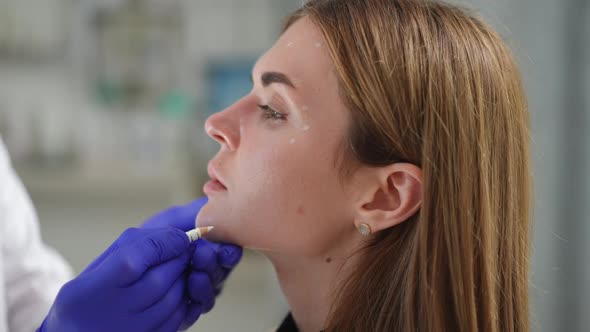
(300, 210)
(328, 260)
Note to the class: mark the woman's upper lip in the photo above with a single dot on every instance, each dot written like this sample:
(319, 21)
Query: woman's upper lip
(213, 174)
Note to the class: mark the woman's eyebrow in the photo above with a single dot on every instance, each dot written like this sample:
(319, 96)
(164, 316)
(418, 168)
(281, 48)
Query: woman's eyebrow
(271, 77)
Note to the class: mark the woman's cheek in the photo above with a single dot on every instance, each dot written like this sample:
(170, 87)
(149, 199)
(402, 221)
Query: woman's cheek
(273, 179)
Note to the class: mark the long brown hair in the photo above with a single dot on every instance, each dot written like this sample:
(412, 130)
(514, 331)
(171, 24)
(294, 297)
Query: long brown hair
(431, 84)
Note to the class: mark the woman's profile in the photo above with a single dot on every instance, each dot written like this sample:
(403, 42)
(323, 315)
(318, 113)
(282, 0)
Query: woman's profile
(381, 163)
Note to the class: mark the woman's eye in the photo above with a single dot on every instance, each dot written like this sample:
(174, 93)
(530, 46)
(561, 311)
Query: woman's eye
(270, 114)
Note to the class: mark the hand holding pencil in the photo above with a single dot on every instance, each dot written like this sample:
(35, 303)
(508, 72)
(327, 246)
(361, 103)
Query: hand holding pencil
(211, 262)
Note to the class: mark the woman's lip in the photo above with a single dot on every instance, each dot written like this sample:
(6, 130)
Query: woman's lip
(213, 186)
(213, 175)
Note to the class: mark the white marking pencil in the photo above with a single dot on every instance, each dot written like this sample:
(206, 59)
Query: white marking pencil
(197, 233)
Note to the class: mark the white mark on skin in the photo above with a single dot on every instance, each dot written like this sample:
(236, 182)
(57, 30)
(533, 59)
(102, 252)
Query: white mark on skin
(292, 141)
(306, 127)
(318, 45)
(290, 44)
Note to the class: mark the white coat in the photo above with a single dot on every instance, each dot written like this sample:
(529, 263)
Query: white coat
(31, 273)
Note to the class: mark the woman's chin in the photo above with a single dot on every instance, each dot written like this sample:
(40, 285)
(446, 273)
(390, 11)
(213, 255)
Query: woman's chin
(221, 233)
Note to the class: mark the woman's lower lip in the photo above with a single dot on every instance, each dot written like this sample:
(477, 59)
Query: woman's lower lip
(213, 186)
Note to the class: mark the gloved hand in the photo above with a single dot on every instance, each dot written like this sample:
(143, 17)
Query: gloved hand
(137, 284)
(211, 263)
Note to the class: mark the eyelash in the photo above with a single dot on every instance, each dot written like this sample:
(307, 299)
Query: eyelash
(271, 114)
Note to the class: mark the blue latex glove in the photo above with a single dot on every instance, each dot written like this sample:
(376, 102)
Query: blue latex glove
(211, 262)
(137, 284)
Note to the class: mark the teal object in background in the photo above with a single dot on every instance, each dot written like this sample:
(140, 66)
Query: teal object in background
(227, 81)
(108, 92)
(175, 104)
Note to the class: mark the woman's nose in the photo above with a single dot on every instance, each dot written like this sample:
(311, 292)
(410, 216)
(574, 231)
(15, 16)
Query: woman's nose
(224, 128)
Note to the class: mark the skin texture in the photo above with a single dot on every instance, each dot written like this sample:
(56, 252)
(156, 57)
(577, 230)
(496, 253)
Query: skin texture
(285, 196)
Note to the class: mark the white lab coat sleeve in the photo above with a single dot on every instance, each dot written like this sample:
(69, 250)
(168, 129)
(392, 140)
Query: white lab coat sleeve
(32, 273)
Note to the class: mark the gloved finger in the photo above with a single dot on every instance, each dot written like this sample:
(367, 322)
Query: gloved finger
(151, 248)
(98, 260)
(229, 255)
(156, 282)
(192, 314)
(201, 290)
(181, 217)
(173, 323)
(161, 311)
(127, 236)
(205, 259)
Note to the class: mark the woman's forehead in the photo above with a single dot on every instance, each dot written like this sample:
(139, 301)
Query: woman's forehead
(300, 53)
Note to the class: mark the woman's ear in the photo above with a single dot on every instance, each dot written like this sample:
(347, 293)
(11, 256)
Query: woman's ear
(392, 194)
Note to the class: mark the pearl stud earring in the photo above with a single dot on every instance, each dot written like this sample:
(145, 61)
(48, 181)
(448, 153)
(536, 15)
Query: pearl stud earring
(364, 229)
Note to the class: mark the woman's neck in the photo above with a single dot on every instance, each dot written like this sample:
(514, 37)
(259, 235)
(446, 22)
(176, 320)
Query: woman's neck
(308, 284)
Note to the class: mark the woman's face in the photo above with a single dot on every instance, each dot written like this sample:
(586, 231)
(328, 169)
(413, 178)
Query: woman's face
(280, 189)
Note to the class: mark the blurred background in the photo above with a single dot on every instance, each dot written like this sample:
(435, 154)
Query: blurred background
(102, 105)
